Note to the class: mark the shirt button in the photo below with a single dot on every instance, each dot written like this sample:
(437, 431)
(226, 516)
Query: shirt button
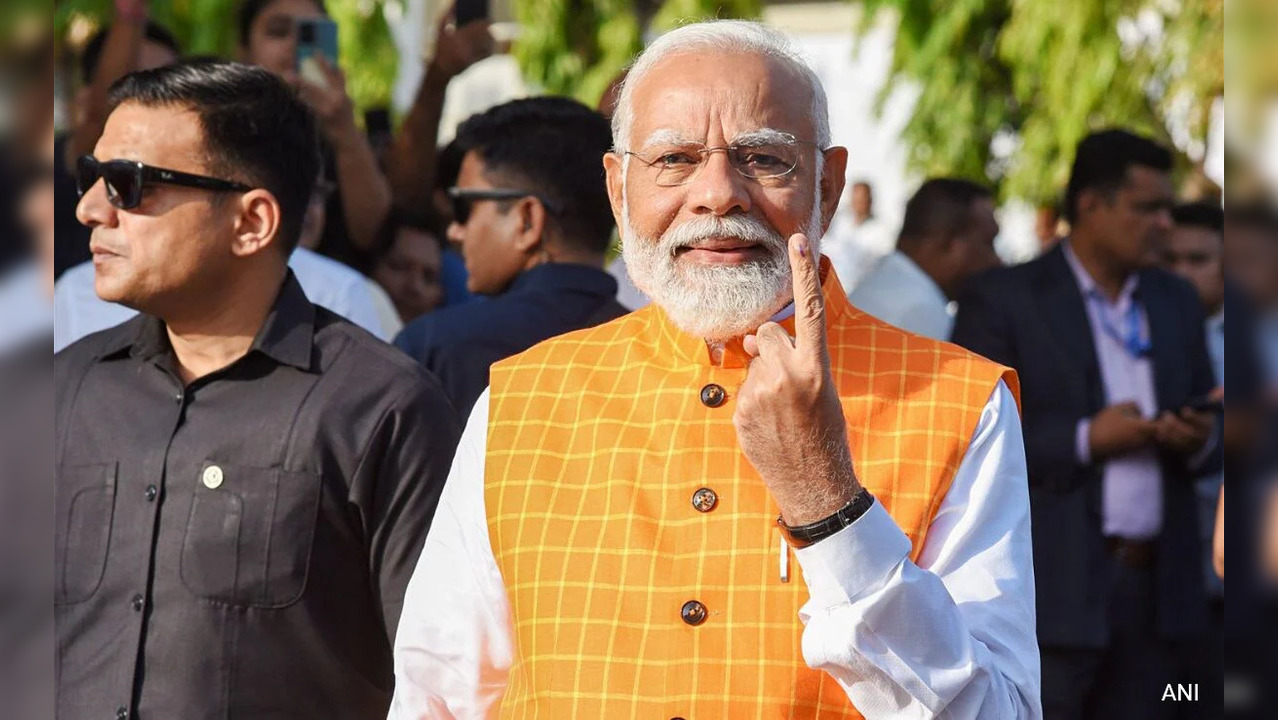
(150, 493)
(212, 477)
(693, 613)
(137, 603)
(121, 713)
(704, 500)
(713, 395)
(178, 398)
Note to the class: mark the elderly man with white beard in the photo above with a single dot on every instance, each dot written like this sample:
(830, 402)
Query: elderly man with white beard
(748, 499)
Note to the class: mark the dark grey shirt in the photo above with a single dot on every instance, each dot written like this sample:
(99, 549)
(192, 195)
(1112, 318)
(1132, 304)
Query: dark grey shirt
(240, 547)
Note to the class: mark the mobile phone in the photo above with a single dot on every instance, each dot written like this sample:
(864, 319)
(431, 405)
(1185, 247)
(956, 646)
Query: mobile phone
(1206, 404)
(467, 11)
(377, 124)
(315, 36)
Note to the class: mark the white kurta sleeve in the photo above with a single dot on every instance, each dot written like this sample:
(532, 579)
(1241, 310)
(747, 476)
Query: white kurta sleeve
(454, 644)
(954, 635)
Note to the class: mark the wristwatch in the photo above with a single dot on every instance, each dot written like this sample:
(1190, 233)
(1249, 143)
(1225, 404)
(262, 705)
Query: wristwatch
(805, 535)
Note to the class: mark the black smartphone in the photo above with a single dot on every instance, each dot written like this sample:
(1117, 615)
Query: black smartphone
(377, 123)
(1206, 404)
(468, 11)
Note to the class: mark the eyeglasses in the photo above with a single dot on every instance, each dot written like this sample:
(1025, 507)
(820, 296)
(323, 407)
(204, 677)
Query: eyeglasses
(678, 163)
(464, 199)
(125, 180)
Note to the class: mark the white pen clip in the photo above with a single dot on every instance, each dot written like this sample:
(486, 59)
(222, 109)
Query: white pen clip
(784, 560)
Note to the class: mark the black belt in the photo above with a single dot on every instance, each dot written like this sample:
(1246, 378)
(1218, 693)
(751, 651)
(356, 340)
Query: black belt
(1132, 553)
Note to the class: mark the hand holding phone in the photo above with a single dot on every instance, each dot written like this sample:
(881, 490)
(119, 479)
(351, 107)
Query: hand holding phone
(458, 44)
(468, 11)
(315, 36)
(1206, 404)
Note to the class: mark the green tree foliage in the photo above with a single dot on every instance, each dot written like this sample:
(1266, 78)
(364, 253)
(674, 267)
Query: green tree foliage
(577, 47)
(1009, 87)
(570, 47)
(209, 27)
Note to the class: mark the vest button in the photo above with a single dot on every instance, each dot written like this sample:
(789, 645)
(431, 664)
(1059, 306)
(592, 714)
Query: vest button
(693, 613)
(713, 395)
(704, 500)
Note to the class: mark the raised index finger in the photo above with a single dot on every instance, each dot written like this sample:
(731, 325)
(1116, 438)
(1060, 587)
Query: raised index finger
(809, 303)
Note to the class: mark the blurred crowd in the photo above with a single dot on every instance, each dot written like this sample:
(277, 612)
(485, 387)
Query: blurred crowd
(464, 254)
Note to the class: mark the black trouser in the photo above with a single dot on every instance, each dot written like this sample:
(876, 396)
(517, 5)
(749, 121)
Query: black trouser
(1128, 679)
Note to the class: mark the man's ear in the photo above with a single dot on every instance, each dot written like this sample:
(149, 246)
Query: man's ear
(832, 180)
(1092, 199)
(530, 231)
(615, 175)
(257, 222)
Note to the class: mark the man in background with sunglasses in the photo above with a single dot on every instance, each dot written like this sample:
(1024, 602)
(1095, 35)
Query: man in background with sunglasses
(531, 214)
(244, 479)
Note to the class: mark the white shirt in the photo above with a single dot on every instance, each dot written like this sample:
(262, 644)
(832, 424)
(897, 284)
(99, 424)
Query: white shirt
(854, 249)
(952, 635)
(387, 316)
(25, 311)
(899, 292)
(78, 311)
(629, 295)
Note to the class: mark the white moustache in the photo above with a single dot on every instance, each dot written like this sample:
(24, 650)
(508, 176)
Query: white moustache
(745, 228)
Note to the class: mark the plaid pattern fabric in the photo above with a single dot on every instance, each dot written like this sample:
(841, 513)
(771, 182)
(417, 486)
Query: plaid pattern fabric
(597, 441)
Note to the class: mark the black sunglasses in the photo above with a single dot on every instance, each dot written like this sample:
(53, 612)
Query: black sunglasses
(464, 199)
(125, 180)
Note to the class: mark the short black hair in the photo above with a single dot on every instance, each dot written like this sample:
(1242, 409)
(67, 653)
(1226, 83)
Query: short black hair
(1258, 215)
(1205, 215)
(256, 129)
(554, 146)
(940, 206)
(250, 9)
(397, 220)
(448, 165)
(91, 55)
(1102, 160)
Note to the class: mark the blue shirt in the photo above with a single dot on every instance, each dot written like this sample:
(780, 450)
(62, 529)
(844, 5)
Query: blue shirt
(459, 343)
(452, 275)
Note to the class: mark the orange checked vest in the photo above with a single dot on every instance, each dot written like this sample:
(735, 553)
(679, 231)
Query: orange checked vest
(616, 494)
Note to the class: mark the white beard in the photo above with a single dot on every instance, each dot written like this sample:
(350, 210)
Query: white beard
(714, 302)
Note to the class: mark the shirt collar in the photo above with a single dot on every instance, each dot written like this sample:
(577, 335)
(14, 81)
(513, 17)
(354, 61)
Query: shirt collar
(1217, 321)
(287, 336)
(565, 276)
(1088, 285)
(909, 267)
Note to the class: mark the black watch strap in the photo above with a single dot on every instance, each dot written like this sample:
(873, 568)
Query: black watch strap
(805, 535)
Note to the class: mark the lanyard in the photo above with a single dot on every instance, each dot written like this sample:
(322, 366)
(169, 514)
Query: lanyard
(1130, 337)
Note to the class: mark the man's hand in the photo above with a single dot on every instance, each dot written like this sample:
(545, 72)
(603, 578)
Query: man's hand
(457, 48)
(1183, 433)
(332, 106)
(131, 11)
(1119, 429)
(788, 416)
(1218, 537)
